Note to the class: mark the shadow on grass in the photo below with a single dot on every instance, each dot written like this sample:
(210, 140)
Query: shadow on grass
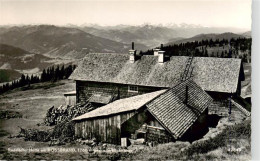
(213, 120)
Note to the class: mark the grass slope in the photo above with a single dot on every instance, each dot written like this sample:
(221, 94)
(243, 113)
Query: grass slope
(200, 37)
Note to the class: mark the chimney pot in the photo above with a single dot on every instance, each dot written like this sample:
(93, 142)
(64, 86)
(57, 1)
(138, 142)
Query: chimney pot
(161, 57)
(155, 51)
(132, 54)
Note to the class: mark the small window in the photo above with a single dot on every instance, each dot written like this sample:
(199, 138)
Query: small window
(132, 89)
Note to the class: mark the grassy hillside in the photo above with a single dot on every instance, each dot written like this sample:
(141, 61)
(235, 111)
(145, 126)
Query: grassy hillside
(216, 148)
(201, 37)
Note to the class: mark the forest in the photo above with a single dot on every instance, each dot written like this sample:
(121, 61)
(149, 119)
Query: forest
(225, 48)
(53, 74)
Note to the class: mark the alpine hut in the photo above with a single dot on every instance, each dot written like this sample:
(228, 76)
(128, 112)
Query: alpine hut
(102, 78)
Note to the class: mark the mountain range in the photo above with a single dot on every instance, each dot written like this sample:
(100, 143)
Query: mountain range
(64, 42)
(152, 35)
(29, 49)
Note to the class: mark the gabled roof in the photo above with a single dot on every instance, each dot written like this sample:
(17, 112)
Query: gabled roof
(212, 74)
(167, 106)
(122, 105)
(171, 111)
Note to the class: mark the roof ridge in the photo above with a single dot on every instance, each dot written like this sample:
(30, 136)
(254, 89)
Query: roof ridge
(212, 74)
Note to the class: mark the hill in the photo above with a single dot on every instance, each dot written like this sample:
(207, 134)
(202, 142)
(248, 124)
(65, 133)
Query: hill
(11, 51)
(7, 75)
(200, 37)
(56, 41)
(247, 34)
(16, 60)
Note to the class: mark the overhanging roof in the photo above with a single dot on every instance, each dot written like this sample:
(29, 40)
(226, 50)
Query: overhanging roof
(122, 105)
(171, 111)
(211, 74)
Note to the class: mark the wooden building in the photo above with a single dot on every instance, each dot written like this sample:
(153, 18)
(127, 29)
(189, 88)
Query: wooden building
(177, 113)
(116, 75)
(70, 98)
(102, 78)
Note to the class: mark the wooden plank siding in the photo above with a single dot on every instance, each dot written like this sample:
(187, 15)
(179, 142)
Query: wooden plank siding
(70, 100)
(104, 129)
(110, 129)
(221, 108)
(85, 89)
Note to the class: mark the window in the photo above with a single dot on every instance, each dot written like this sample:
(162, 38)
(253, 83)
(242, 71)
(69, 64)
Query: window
(132, 89)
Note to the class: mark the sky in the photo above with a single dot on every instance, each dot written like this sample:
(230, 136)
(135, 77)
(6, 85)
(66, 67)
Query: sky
(210, 13)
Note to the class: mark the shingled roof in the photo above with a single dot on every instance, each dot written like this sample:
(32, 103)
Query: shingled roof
(171, 111)
(212, 74)
(121, 105)
(167, 106)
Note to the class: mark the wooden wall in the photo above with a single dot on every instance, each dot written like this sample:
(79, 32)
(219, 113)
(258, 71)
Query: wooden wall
(153, 132)
(86, 89)
(104, 129)
(219, 107)
(110, 129)
(70, 100)
(159, 135)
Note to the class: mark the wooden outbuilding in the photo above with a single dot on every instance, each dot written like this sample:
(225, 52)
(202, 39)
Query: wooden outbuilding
(177, 113)
(70, 98)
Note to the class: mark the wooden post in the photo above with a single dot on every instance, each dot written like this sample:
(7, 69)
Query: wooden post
(124, 142)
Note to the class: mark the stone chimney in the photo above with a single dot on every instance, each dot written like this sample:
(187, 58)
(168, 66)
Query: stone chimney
(156, 50)
(161, 57)
(132, 53)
